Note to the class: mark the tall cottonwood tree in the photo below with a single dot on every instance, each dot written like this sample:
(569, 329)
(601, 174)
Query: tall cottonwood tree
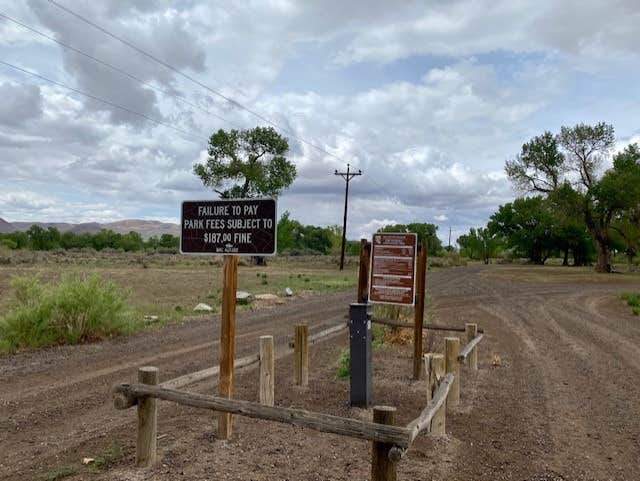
(542, 168)
(247, 163)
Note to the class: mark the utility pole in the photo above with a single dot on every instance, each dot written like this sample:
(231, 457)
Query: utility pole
(449, 237)
(347, 176)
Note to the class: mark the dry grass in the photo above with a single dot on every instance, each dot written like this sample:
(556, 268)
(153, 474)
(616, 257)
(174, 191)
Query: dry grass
(560, 275)
(171, 290)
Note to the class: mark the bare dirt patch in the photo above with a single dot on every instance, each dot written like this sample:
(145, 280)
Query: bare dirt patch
(561, 403)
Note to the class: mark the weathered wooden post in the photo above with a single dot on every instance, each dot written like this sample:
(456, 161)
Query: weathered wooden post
(472, 331)
(227, 339)
(363, 273)
(267, 371)
(421, 270)
(452, 349)
(301, 355)
(147, 420)
(382, 468)
(434, 374)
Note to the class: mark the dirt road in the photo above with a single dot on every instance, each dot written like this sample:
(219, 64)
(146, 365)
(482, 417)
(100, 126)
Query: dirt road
(55, 400)
(562, 403)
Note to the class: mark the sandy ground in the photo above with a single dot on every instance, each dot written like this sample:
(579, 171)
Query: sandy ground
(561, 404)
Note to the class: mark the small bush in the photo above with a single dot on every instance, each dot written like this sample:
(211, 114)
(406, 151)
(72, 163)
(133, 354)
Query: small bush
(74, 310)
(344, 369)
(61, 472)
(633, 301)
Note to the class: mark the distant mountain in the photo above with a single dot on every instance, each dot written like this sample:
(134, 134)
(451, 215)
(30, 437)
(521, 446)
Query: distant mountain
(146, 228)
(5, 226)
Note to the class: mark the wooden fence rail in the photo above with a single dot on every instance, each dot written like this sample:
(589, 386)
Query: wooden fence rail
(410, 325)
(355, 428)
(468, 349)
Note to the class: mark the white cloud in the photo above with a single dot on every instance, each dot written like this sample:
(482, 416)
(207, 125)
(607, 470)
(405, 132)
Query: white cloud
(430, 132)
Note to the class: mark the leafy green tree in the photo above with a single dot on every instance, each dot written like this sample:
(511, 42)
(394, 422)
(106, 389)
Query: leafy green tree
(570, 231)
(9, 243)
(539, 166)
(480, 243)
(527, 226)
(106, 239)
(293, 236)
(247, 163)
(603, 196)
(21, 239)
(288, 232)
(168, 241)
(73, 240)
(43, 239)
(153, 243)
(130, 242)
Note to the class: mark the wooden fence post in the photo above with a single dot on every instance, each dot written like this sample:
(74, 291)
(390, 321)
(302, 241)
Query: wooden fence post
(267, 371)
(382, 468)
(147, 420)
(452, 349)
(301, 355)
(472, 331)
(227, 339)
(419, 310)
(434, 374)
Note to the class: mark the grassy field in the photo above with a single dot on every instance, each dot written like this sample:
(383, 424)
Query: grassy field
(170, 286)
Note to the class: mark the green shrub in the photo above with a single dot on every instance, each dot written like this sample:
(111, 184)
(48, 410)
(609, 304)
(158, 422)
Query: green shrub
(76, 309)
(344, 369)
(633, 301)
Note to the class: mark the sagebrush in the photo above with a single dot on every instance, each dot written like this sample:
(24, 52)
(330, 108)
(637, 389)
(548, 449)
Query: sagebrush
(73, 310)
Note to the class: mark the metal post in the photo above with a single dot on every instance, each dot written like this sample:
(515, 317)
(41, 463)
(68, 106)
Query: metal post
(360, 352)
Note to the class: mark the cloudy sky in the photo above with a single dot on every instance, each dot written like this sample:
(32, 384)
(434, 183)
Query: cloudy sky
(428, 98)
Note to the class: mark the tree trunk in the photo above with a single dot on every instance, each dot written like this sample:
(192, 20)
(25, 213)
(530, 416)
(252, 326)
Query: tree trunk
(603, 263)
(565, 260)
(259, 260)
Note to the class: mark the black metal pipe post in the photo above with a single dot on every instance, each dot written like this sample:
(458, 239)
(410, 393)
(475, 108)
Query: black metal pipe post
(360, 353)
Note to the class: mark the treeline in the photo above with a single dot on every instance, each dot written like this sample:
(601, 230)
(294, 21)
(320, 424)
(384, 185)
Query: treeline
(577, 208)
(41, 239)
(294, 238)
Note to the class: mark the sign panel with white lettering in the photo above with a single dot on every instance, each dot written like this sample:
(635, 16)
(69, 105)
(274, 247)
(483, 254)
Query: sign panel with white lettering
(393, 268)
(229, 226)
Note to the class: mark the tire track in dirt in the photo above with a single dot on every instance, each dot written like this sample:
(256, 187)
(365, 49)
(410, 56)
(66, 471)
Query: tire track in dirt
(83, 397)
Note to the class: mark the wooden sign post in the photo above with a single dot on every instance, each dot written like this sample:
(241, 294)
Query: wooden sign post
(230, 227)
(399, 277)
(227, 339)
(418, 312)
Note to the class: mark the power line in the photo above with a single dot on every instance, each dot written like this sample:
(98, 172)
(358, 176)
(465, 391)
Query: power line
(150, 86)
(190, 78)
(100, 99)
(116, 69)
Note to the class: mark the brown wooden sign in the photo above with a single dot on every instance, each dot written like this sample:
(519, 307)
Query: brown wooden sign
(393, 268)
(233, 226)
